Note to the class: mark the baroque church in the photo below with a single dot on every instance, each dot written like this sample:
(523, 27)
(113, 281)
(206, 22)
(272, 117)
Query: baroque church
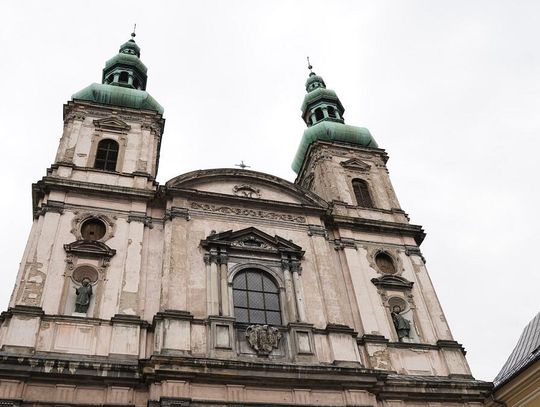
(222, 287)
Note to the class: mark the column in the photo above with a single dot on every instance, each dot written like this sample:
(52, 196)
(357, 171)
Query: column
(214, 283)
(224, 287)
(289, 291)
(298, 290)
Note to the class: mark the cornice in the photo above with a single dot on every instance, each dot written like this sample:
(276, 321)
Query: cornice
(377, 226)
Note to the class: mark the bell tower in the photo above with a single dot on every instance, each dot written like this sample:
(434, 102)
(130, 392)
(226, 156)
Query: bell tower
(112, 130)
(377, 247)
(339, 162)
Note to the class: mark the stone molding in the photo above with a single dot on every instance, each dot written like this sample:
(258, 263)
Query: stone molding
(414, 251)
(90, 248)
(49, 206)
(393, 282)
(177, 212)
(141, 217)
(25, 310)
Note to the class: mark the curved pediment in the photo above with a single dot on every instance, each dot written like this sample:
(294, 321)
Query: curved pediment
(245, 184)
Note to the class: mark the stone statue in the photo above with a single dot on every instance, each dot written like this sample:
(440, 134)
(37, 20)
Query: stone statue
(403, 326)
(82, 302)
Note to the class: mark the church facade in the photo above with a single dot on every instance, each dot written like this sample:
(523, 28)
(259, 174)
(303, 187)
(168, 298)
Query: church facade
(222, 287)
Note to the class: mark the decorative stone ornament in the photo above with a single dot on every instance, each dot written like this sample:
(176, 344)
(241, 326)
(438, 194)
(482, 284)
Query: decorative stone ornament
(246, 191)
(263, 338)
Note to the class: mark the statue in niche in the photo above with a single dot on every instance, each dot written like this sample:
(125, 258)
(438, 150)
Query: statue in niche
(402, 325)
(84, 293)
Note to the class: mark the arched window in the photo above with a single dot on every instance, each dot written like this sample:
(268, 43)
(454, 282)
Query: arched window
(256, 298)
(123, 77)
(319, 115)
(106, 155)
(331, 112)
(361, 191)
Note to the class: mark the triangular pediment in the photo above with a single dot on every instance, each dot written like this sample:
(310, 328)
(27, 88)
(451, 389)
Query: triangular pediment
(356, 164)
(89, 248)
(112, 123)
(252, 239)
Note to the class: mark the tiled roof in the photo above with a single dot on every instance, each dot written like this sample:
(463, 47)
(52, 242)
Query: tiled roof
(526, 352)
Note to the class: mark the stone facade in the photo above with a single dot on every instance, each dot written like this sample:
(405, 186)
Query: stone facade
(162, 327)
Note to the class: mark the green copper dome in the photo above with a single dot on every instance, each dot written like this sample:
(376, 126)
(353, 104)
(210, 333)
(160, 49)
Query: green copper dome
(127, 60)
(123, 81)
(322, 112)
(118, 96)
(331, 131)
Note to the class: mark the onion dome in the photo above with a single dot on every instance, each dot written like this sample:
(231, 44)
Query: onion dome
(322, 112)
(123, 81)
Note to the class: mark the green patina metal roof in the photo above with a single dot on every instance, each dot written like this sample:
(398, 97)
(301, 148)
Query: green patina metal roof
(118, 96)
(318, 95)
(331, 131)
(126, 59)
(119, 90)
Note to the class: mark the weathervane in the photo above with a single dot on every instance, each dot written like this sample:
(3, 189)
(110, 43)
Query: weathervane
(133, 33)
(242, 165)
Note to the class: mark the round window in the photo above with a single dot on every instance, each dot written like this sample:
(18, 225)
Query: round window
(385, 263)
(93, 229)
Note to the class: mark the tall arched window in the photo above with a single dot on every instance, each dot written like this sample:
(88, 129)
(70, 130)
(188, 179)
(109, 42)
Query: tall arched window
(106, 155)
(319, 115)
(256, 298)
(361, 192)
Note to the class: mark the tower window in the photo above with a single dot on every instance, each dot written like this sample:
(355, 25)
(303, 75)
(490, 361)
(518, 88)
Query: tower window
(331, 112)
(319, 115)
(93, 229)
(256, 298)
(124, 76)
(361, 192)
(106, 155)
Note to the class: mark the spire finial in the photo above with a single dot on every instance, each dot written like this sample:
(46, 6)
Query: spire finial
(133, 33)
(309, 66)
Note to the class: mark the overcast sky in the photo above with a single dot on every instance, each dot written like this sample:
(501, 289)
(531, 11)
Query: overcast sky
(451, 90)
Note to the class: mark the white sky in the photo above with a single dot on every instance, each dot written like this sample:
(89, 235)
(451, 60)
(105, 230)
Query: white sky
(450, 89)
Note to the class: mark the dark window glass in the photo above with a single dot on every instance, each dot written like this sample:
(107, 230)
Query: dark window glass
(256, 298)
(93, 229)
(331, 112)
(106, 155)
(123, 77)
(361, 192)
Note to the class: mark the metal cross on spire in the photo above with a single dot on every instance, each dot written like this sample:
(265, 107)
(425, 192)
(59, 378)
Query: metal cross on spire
(242, 165)
(309, 66)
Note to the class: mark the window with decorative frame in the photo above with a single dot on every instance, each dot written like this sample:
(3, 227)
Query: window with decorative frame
(256, 298)
(107, 155)
(361, 192)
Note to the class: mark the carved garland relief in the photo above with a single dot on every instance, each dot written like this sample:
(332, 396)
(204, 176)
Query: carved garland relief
(248, 212)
